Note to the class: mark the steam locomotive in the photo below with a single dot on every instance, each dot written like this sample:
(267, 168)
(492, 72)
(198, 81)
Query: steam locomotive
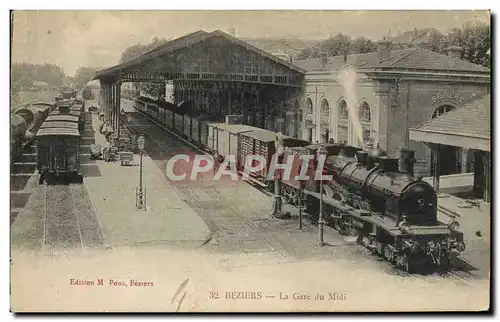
(378, 199)
(371, 196)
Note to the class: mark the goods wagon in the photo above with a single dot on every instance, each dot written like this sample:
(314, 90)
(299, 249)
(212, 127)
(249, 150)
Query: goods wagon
(58, 155)
(261, 142)
(226, 138)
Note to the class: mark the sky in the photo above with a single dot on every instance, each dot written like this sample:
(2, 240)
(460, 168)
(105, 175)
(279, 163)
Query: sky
(97, 38)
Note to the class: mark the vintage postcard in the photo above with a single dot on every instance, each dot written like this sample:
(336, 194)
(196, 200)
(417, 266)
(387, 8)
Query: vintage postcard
(250, 161)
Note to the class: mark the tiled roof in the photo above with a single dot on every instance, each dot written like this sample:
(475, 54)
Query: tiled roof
(410, 58)
(471, 120)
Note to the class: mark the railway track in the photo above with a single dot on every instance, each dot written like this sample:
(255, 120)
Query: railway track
(61, 220)
(139, 129)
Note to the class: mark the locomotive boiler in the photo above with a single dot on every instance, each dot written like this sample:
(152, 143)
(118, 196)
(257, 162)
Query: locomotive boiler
(391, 211)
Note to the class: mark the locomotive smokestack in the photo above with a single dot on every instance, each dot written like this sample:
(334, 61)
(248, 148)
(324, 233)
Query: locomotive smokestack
(361, 156)
(407, 161)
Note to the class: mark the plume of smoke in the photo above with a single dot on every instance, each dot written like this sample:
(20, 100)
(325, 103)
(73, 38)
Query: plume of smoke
(347, 77)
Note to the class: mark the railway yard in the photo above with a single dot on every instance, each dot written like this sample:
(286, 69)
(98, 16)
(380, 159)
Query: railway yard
(213, 230)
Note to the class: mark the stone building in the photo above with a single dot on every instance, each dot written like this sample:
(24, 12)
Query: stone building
(380, 95)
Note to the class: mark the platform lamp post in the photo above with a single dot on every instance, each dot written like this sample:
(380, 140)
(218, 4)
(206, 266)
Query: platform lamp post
(140, 194)
(321, 222)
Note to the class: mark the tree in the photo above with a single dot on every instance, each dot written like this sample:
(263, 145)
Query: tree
(134, 51)
(474, 38)
(363, 45)
(84, 75)
(24, 74)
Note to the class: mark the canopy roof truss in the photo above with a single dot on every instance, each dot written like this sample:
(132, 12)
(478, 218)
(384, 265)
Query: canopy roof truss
(202, 56)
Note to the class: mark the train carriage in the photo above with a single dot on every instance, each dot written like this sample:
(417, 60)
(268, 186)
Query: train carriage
(262, 142)
(169, 119)
(178, 123)
(161, 113)
(199, 128)
(58, 155)
(211, 131)
(226, 137)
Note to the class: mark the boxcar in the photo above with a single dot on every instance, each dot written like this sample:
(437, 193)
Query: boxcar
(211, 135)
(261, 142)
(226, 137)
(169, 119)
(179, 122)
(199, 128)
(187, 126)
(58, 155)
(62, 117)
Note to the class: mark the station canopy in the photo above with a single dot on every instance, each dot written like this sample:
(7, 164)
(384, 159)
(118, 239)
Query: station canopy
(466, 127)
(213, 56)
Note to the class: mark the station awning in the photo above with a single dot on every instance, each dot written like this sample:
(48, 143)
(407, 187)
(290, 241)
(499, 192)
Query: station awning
(166, 62)
(466, 127)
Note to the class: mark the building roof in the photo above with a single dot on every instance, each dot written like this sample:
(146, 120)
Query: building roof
(410, 58)
(471, 121)
(186, 41)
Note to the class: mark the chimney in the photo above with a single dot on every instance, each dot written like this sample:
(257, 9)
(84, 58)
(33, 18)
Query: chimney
(454, 52)
(232, 32)
(324, 58)
(384, 50)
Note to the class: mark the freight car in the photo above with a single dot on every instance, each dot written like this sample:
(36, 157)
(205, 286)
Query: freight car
(58, 151)
(25, 122)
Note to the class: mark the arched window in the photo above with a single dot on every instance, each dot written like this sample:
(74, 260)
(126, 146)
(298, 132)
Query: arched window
(325, 109)
(443, 109)
(309, 105)
(364, 112)
(344, 113)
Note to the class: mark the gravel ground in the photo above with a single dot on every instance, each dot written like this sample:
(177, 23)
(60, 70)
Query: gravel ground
(58, 227)
(62, 226)
(90, 229)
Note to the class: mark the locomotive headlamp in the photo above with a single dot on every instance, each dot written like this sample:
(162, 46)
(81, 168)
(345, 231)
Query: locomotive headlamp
(454, 226)
(460, 247)
(404, 225)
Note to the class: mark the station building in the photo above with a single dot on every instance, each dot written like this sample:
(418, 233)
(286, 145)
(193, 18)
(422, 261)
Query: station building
(379, 96)
(388, 91)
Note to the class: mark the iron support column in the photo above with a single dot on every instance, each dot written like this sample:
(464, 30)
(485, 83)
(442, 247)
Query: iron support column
(118, 107)
(436, 150)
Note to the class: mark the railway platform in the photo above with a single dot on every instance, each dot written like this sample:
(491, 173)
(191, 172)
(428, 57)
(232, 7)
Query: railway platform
(475, 221)
(167, 218)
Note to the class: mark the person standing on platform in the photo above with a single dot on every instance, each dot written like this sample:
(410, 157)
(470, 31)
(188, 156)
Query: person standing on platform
(216, 161)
